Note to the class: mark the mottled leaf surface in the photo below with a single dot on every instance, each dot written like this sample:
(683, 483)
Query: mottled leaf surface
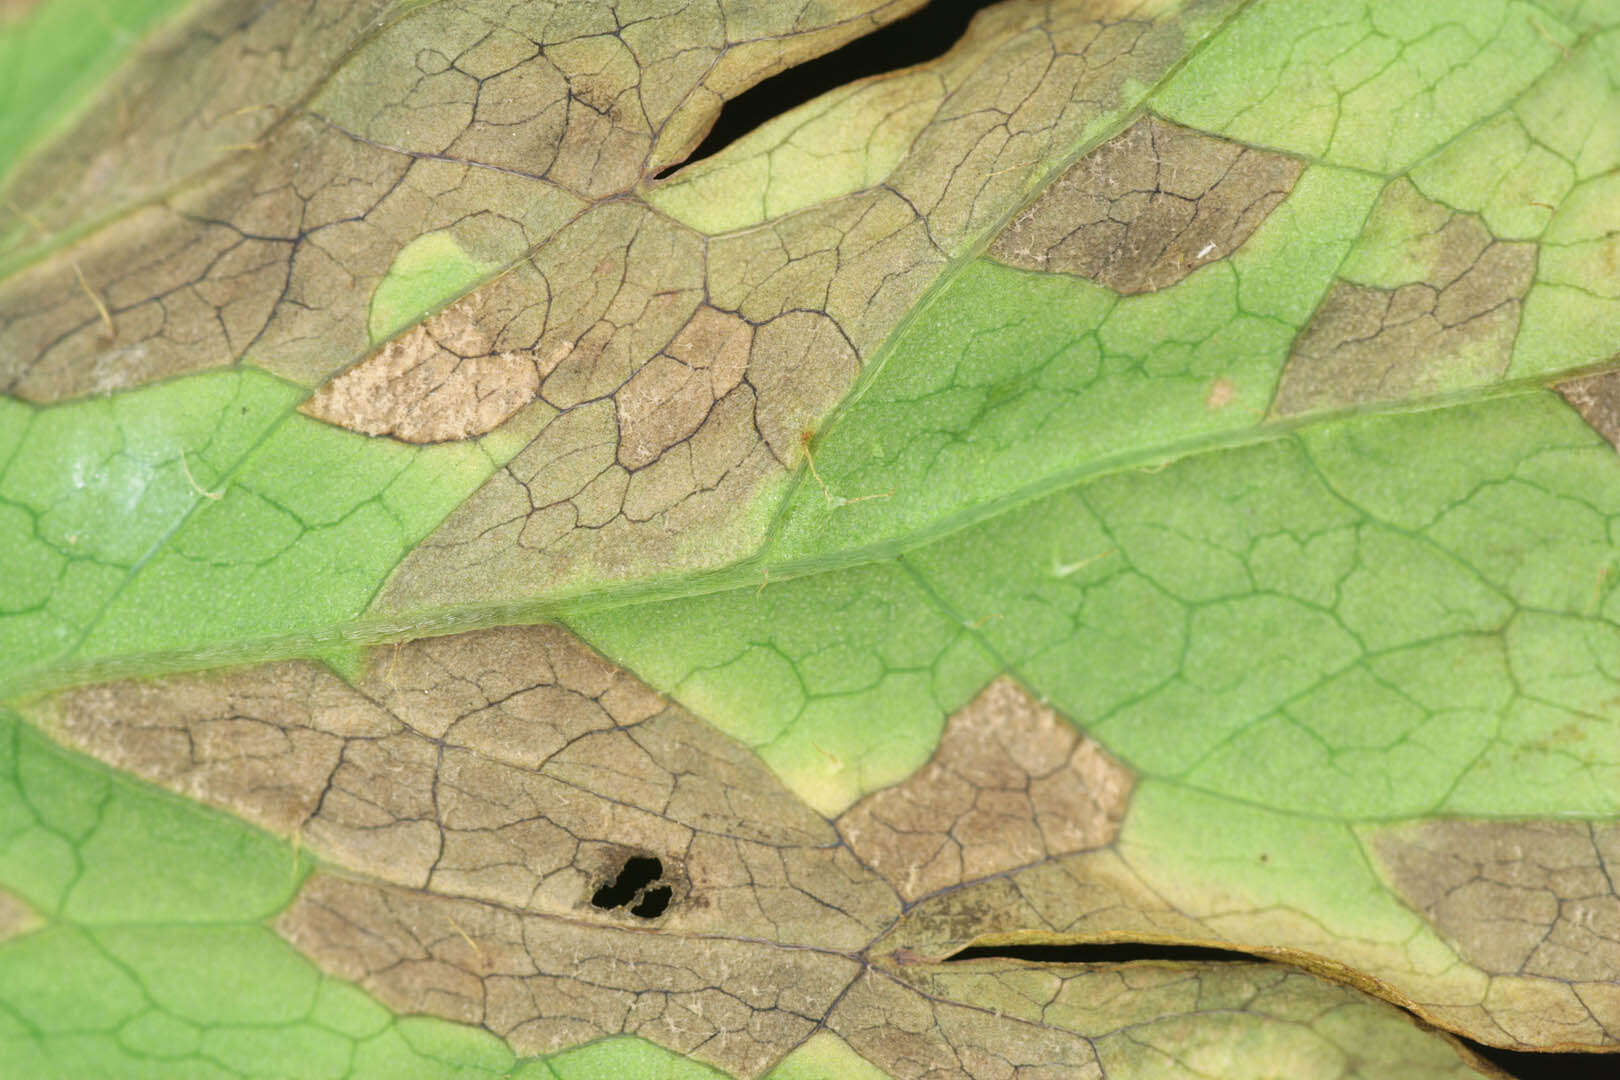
(470, 606)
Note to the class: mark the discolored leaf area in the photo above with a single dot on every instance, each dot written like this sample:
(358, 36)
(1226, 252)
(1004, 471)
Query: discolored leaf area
(515, 835)
(481, 594)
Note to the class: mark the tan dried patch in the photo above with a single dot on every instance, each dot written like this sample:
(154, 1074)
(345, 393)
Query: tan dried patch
(1451, 325)
(436, 383)
(1528, 899)
(16, 10)
(1091, 896)
(1149, 207)
(513, 766)
(1597, 399)
(909, 1034)
(1219, 395)
(143, 131)
(546, 984)
(262, 741)
(668, 400)
(1011, 784)
(1368, 344)
(1143, 1016)
(485, 795)
(636, 457)
(617, 287)
(16, 917)
(494, 786)
(154, 295)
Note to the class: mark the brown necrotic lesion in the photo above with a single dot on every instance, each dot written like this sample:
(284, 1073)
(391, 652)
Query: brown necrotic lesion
(1597, 399)
(1149, 207)
(15, 916)
(1532, 898)
(1430, 302)
(440, 381)
(1012, 784)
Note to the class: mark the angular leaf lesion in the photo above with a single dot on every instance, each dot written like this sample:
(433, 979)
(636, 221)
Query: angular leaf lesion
(1428, 301)
(545, 984)
(1531, 903)
(1148, 207)
(527, 839)
(515, 767)
(1597, 398)
(669, 399)
(1011, 784)
(437, 382)
(16, 917)
(246, 65)
(1516, 898)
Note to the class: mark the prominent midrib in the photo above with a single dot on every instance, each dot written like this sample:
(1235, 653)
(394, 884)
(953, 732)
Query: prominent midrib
(372, 629)
(755, 572)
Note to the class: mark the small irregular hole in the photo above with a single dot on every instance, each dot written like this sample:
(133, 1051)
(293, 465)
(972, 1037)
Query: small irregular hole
(1122, 952)
(1521, 1064)
(639, 871)
(653, 903)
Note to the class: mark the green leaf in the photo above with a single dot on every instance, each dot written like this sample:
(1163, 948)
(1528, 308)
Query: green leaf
(471, 607)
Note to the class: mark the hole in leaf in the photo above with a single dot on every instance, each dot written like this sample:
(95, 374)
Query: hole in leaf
(653, 903)
(1125, 952)
(1529, 1065)
(923, 35)
(1520, 1064)
(638, 872)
